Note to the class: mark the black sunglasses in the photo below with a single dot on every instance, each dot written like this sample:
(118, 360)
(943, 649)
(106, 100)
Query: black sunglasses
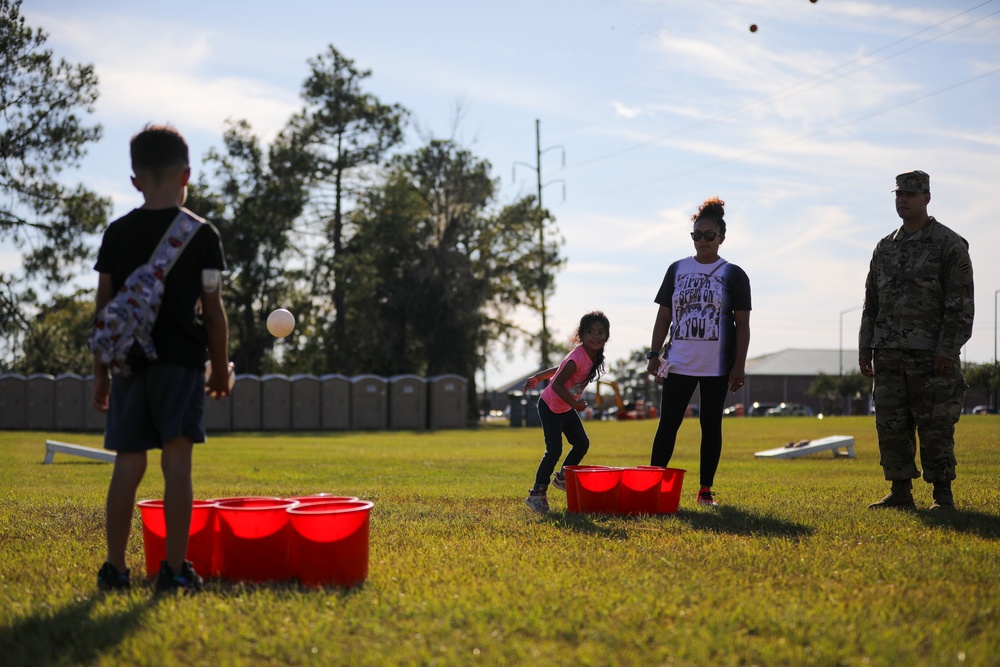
(708, 236)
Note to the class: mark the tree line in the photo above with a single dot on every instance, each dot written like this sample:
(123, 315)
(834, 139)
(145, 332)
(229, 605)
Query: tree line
(392, 260)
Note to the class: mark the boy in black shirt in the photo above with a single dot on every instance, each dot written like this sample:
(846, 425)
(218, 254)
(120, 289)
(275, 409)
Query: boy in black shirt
(160, 403)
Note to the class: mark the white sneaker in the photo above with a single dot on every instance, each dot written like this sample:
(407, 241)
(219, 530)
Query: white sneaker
(559, 481)
(538, 502)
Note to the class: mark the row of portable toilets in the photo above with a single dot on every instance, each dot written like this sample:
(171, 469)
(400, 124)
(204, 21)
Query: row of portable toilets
(317, 540)
(266, 403)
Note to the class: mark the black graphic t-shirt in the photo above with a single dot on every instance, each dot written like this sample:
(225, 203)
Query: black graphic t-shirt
(702, 299)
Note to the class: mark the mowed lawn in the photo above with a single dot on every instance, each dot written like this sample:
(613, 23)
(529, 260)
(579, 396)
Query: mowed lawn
(791, 569)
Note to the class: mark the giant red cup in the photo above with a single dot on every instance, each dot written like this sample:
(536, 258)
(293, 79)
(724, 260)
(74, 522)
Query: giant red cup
(253, 539)
(670, 490)
(201, 535)
(597, 490)
(329, 541)
(640, 489)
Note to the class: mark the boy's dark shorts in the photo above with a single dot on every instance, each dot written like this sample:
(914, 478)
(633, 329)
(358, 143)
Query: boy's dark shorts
(154, 406)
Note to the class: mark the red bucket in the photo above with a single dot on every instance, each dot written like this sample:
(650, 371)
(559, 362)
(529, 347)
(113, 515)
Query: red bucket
(330, 542)
(640, 490)
(321, 498)
(572, 504)
(598, 489)
(201, 535)
(253, 538)
(670, 490)
(217, 557)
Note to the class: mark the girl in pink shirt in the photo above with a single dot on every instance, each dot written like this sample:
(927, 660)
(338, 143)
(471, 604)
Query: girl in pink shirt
(559, 406)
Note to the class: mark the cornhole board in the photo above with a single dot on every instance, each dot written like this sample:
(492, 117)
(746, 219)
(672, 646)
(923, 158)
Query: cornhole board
(832, 443)
(53, 446)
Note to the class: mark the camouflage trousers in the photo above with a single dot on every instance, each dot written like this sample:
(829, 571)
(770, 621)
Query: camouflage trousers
(910, 401)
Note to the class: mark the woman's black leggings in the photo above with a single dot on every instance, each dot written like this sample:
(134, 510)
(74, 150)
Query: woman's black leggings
(677, 392)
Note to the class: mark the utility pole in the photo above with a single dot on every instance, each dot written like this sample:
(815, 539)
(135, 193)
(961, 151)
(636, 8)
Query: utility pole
(537, 167)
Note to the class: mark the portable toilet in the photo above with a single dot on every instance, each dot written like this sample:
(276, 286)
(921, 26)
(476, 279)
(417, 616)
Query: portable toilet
(276, 397)
(218, 417)
(69, 402)
(39, 402)
(246, 403)
(369, 407)
(305, 402)
(11, 401)
(93, 420)
(335, 402)
(407, 403)
(449, 401)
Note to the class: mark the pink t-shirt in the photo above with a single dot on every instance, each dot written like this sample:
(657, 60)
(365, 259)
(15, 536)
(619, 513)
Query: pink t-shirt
(576, 383)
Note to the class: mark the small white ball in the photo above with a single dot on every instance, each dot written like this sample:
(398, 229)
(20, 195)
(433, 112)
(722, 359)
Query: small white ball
(280, 323)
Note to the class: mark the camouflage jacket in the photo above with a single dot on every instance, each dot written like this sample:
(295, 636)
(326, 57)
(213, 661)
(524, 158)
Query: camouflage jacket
(918, 295)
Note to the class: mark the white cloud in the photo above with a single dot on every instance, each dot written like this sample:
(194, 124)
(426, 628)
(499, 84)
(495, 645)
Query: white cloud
(624, 111)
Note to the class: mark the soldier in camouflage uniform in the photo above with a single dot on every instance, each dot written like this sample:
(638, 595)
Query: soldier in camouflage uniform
(917, 316)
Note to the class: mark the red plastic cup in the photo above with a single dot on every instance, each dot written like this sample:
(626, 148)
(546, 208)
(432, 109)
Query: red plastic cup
(217, 556)
(670, 490)
(201, 535)
(640, 490)
(321, 498)
(572, 504)
(598, 490)
(330, 542)
(253, 539)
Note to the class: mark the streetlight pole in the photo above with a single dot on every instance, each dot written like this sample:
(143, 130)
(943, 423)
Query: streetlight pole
(995, 293)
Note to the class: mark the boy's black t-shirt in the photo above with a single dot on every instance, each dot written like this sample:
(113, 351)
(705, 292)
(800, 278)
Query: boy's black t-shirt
(179, 334)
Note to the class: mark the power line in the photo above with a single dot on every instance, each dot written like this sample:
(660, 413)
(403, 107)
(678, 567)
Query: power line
(788, 142)
(798, 87)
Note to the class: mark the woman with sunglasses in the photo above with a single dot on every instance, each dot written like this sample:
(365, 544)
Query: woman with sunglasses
(704, 317)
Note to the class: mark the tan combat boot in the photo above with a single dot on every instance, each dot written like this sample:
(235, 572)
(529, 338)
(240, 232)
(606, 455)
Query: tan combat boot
(943, 499)
(899, 498)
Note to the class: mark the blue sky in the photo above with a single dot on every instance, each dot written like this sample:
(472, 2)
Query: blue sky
(800, 127)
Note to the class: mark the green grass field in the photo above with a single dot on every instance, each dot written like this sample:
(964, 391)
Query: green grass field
(791, 569)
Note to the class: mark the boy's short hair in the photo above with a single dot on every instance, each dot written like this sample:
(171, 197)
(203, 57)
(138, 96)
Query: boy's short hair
(157, 150)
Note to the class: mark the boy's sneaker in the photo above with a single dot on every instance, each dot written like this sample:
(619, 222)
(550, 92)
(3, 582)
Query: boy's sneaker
(110, 579)
(559, 481)
(168, 581)
(706, 497)
(538, 502)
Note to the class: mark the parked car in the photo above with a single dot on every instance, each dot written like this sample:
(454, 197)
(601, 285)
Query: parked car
(790, 410)
(984, 410)
(760, 409)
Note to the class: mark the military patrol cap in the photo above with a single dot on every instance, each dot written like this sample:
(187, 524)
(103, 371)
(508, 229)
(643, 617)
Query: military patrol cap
(913, 181)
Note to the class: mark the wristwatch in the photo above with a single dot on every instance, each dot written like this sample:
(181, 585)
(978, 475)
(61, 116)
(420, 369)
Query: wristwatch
(651, 354)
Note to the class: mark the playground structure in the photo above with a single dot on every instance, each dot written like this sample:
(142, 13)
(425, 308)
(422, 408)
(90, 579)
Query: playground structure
(637, 411)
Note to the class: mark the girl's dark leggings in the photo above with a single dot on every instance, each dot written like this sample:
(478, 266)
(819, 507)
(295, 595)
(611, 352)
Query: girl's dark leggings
(554, 426)
(677, 392)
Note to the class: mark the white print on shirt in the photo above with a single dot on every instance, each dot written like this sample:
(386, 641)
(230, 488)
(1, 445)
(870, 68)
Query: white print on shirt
(698, 306)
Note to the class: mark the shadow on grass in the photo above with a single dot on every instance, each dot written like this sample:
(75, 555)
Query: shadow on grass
(585, 523)
(69, 635)
(290, 587)
(728, 520)
(736, 521)
(984, 525)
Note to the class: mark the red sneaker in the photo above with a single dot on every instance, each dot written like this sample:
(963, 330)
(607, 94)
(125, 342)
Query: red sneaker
(706, 497)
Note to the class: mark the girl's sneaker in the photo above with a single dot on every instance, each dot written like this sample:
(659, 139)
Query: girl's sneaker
(187, 581)
(706, 497)
(559, 481)
(110, 579)
(538, 501)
